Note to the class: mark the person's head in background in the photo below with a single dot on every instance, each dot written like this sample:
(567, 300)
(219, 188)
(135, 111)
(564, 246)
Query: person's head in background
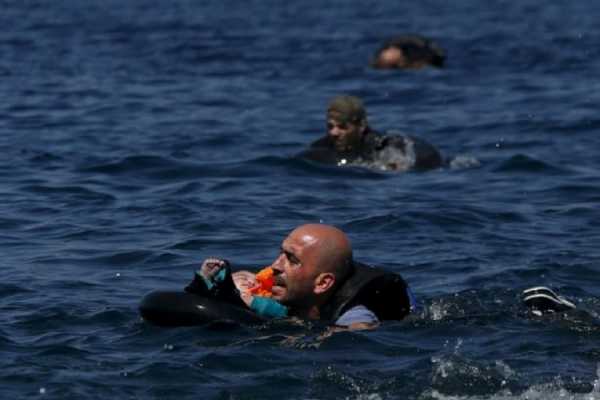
(346, 122)
(408, 52)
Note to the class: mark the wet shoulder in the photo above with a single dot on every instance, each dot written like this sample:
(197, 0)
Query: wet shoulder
(320, 150)
(404, 152)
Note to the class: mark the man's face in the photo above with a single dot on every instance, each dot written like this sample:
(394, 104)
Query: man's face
(346, 136)
(295, 269)
(392, 57)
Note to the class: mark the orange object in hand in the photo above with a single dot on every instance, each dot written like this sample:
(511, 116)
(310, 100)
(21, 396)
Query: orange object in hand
(265, 281)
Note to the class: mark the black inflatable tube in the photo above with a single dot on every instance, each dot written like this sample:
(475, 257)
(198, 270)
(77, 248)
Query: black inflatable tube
(171, 308)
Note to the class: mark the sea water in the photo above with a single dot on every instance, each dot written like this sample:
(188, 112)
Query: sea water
(139, 138)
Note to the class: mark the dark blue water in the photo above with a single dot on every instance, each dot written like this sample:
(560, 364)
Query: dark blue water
(138, 138)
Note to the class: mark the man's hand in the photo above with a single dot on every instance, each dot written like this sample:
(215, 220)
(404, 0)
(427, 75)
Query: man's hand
(211, 266)
(244, 281)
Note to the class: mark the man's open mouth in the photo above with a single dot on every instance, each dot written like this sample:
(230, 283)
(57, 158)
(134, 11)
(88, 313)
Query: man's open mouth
(278, 282)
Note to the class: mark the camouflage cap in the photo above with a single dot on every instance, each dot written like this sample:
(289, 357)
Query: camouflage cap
(346, 109)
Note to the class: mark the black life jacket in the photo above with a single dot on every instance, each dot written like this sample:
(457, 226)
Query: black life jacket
(382, 292)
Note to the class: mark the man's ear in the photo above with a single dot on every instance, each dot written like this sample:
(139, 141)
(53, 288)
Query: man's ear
(324, 282)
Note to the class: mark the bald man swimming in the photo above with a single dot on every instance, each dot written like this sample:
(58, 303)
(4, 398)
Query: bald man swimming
(315, 277)
(313, 260)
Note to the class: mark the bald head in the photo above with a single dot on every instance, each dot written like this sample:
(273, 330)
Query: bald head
(332, 247)
(313, 260)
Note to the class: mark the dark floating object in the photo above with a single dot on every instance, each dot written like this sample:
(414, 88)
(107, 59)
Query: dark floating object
(171, 308)
(543, 299)
(409, 52)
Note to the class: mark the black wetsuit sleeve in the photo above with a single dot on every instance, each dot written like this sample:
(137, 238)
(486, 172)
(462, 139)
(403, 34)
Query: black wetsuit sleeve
(224, 291)
(426, 155)
(198, 286)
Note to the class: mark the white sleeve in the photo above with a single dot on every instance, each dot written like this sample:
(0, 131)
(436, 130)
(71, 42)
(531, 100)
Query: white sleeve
(357, 314)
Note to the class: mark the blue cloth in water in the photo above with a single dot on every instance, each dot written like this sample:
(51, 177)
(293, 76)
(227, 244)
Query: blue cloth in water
(357, 314)
(218, 277)
(268, 307)
(361, 314)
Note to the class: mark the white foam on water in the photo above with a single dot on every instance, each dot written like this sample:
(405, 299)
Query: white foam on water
(549, 391)
(438, 311)
(463, 162)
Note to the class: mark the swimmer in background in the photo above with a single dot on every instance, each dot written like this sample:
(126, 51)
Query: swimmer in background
(408, 52)
(351, 141)
(242, 288)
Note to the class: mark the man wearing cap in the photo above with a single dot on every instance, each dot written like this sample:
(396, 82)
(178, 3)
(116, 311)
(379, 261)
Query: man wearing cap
(351, 141)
